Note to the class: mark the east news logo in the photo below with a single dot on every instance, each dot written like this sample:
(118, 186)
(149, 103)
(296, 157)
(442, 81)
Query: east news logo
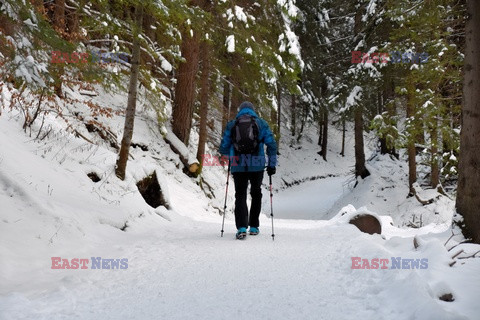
(397, 263)
(96, 263)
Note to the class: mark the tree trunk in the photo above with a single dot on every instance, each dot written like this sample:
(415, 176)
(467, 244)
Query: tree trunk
(342, 153)
(59, 25)
(185, 87)
(226, 103)
(325, 135)
(237, 99)
(293, 106)
(320, 127)
(204, 92)
(360, 168)
(388, 93)
(468, 200)
(132, 97)
(274, 115)
(412, 162)
(303, 120)
(279, 117)
(435, 174)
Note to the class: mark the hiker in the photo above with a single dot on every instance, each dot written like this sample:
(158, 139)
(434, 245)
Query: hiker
(243, 142)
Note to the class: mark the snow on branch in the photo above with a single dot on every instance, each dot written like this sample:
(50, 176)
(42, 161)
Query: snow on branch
(188, 159)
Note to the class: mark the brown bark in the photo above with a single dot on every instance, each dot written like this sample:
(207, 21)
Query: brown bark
(435, 172)
(342, 153)
(320, 127)
(360, 168)
(226, 103)
(59, 25)
(237, 99)
(293, 106)
(185, 87)
(204, 92)
(303, 120)
(412, 162)
(132, 97)
(388, 93)
(468, 200)
(57, 83)
(279, 117)
(325, 135)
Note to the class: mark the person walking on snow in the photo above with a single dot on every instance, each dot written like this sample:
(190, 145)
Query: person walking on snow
(243, 142)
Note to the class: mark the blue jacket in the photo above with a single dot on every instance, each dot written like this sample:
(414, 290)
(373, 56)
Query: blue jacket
(254, 162)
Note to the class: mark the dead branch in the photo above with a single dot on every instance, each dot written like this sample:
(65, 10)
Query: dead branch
(464, 241)
(470, 256)
(416, 243)
(46, 133)
(41, 127)
(29, 121)
(442, 191)
(449, 238)
(424, 202)
(457, 254)
(78, 134)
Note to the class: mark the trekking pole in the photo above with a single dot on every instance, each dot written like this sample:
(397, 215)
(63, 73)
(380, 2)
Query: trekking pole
(271, 208)
(226, 194)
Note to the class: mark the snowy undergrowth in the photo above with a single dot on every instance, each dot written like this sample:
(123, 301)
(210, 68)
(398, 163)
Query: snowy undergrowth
(385, 192)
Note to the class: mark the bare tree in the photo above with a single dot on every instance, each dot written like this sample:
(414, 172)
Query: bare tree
(132, 96)
(468, 200)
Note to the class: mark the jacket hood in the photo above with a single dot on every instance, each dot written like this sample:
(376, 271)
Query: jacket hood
(246, 108)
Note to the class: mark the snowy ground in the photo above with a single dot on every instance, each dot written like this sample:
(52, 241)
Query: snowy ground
(178, 265)
(186, 271)
(310, 200)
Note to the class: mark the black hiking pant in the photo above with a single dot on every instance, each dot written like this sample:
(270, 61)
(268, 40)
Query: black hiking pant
(241, 179)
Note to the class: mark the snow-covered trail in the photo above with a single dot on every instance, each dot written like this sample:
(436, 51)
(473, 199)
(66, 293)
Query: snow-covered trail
(310, 200)
(188, 272)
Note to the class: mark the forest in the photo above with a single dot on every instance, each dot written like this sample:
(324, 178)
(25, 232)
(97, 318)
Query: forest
(137, 94)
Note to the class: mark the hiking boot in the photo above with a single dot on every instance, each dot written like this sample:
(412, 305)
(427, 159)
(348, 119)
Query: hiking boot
(254, 231)
(241, 233)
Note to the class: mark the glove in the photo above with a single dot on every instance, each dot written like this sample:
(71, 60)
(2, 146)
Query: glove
(271, 171)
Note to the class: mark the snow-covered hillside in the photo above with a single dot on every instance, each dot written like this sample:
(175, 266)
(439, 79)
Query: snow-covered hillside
(178, 266)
